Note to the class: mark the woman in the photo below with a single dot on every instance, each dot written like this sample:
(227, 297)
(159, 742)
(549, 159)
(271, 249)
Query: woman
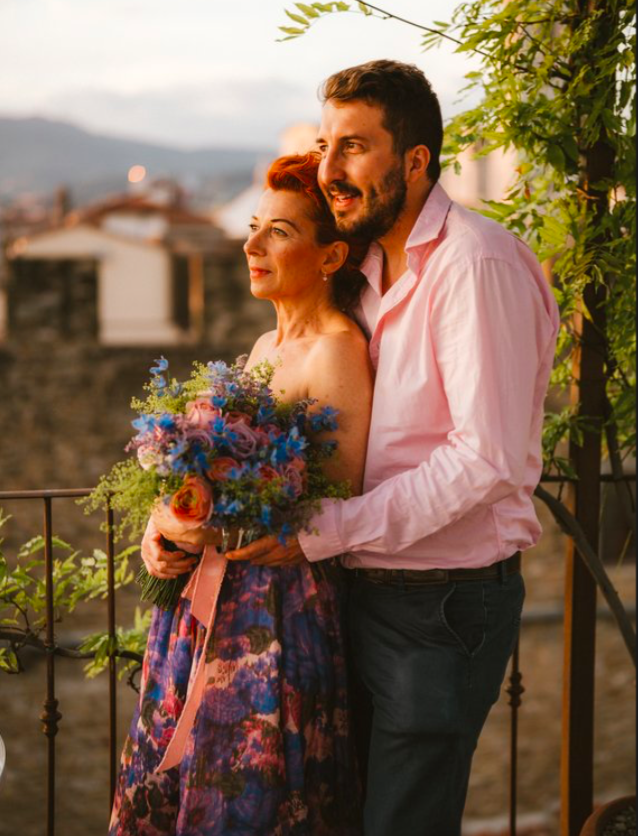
(270, 750)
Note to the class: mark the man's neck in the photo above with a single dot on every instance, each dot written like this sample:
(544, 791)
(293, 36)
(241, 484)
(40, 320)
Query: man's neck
(395, 259)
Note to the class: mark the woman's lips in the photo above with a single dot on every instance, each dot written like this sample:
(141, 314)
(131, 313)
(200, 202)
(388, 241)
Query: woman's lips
(258, 273)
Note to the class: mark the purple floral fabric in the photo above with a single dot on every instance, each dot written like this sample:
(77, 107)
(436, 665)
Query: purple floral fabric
(271, 751)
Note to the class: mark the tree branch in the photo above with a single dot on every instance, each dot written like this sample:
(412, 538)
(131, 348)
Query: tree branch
(429, 30)
(570, 526)
(16, 636)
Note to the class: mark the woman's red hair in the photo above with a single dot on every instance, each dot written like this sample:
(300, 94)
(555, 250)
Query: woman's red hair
(298, 173)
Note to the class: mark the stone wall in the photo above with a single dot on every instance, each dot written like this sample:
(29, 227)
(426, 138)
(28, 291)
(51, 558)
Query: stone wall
(65, 415)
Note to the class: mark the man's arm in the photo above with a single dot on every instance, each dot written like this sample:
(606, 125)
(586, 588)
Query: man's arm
(490, 331)
(340, 375)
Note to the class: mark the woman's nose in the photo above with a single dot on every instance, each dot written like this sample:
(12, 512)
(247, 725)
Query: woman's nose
(253, 245)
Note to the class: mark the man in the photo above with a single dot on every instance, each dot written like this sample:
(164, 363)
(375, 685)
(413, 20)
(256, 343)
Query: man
(462, 331)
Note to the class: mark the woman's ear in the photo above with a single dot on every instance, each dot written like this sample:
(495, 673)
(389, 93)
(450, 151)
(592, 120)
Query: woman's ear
(335, 256)
(417, 160)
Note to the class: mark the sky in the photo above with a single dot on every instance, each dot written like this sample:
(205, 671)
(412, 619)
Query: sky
(197, 73)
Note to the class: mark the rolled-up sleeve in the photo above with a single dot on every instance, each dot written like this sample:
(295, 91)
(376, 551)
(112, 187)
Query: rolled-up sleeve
(489, 329)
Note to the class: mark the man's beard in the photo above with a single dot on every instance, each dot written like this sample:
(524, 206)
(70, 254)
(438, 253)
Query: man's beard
(380, 208)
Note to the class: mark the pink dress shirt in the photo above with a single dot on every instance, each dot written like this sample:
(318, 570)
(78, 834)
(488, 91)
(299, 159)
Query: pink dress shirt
(463, 345)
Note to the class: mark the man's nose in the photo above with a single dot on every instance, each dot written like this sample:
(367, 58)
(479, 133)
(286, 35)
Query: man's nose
(331, 168)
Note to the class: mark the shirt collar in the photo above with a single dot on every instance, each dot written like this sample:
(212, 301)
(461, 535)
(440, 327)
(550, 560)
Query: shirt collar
(427, 228)
(430, 222)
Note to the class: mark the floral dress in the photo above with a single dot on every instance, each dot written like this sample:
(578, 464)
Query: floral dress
(270, 752)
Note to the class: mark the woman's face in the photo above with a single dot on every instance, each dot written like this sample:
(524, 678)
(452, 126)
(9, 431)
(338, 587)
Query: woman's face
(283, 255)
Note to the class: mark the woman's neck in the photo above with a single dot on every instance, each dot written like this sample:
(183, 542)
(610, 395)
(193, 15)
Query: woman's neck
(303, 316)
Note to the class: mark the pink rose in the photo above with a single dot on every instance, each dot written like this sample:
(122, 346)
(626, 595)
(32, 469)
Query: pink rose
(268, 473)
(220, 468)
(192, 504)
(201, 412)
(242, 417)
(295, 478)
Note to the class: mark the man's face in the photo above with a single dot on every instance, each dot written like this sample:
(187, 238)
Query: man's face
(360, 174)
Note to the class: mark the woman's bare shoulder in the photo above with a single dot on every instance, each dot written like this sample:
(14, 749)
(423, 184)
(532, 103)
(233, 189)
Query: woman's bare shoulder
(343, 346)
(262, 344)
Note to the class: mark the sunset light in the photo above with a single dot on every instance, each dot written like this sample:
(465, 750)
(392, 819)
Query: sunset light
(136, 173)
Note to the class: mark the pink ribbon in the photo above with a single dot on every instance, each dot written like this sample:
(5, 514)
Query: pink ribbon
(202, 590)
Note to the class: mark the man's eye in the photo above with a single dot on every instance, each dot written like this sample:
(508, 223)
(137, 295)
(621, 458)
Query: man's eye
(352, 146)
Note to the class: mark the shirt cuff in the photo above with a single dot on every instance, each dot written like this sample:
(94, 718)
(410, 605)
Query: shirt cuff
(323, 540)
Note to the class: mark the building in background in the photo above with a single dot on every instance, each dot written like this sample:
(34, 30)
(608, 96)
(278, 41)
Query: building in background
(137, 260)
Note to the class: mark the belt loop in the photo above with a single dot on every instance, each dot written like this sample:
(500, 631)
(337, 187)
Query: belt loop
(501, 572)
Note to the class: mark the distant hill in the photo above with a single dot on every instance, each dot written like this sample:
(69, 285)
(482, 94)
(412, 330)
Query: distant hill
(38, 155)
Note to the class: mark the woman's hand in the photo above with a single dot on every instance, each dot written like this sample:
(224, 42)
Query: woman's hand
(187, 538)
(160, 563)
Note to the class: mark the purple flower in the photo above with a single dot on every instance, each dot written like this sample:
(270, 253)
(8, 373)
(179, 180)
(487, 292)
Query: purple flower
(245, 439)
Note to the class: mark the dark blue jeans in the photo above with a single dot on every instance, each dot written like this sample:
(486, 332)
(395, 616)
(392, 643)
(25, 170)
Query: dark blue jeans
(432, 659)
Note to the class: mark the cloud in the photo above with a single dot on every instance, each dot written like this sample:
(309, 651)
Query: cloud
(243, 113)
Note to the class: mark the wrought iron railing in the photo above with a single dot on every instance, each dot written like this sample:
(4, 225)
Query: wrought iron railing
(51, 716)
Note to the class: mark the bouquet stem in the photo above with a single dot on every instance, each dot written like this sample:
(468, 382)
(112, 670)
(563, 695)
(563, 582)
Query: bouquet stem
(161, 592)
(165, 593)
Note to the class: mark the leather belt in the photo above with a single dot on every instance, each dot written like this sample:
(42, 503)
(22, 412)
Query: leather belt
(418, 577)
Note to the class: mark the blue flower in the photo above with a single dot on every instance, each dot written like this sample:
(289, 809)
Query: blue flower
(286, 530)
(166, 422)
(265, 414)
(324, 420)
(221, 505)
(295, 442)
(162, 365)
(218, 369)
(200, 461)
(144, 424)
(280, 454)
(266, 516)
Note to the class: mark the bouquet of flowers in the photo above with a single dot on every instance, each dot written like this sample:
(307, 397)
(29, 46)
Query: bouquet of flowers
(220, 450)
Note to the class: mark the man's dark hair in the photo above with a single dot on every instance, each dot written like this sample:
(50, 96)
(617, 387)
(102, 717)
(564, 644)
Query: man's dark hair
(412, 113)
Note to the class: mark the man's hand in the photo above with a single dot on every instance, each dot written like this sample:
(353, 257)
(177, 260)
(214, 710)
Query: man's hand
(269, 551)
(160, 563)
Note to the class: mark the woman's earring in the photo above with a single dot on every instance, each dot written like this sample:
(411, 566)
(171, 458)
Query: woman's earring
(324, 276)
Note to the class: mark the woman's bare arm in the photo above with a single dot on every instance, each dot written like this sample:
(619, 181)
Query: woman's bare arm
(340, 375)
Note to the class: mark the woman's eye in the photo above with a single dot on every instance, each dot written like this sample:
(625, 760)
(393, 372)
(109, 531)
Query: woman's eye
(277, 230)
(253, 227)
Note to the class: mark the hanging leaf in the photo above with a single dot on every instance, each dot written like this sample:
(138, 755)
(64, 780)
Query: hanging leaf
(307, 10)
(297, 18)
(556, 157)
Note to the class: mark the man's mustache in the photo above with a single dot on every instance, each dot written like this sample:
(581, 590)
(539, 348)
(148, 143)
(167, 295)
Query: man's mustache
(341, 187)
